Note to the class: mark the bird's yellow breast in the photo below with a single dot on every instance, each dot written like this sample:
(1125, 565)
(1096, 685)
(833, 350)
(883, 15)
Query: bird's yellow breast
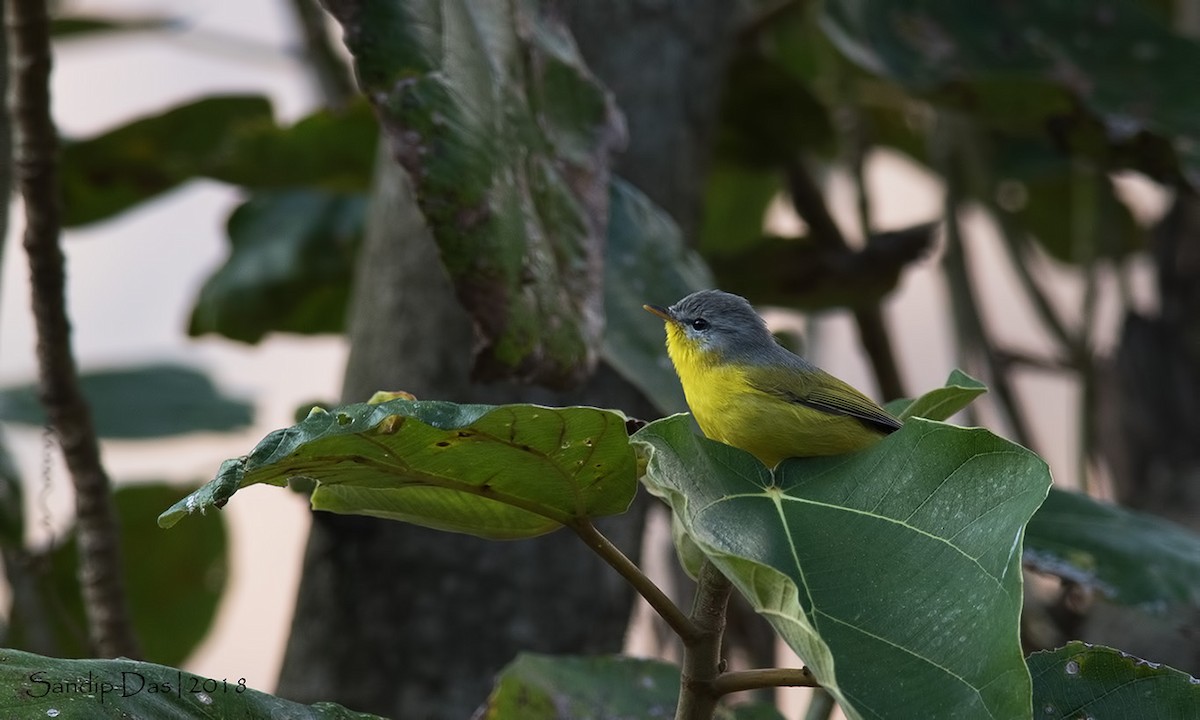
(730, 409)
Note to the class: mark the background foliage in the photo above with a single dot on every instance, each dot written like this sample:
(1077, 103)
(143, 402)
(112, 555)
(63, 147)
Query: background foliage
(1029, 115)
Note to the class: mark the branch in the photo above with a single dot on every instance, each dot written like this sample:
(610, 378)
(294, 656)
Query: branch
(66, 410)
(810, 205)
(766, 678)
(964, 305)
(658, 600)
(702, 662)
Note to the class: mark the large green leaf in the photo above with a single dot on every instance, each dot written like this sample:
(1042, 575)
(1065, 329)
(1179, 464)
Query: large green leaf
(646, 262)
(893, 572)
(548, 687)
(507, 136)
(1086, 681)
(1117, 60)
(140, 402)
(507, 471)
(43, 687)
(1132, 558)
(173, 583)
(292, 257)
(110, 173)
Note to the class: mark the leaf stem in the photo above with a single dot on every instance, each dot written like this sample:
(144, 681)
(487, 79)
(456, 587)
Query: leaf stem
(66, 409)
(683, 626)
(742, 680)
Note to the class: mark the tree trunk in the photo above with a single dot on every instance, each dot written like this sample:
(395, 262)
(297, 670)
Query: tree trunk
(414, 623)
(1147, 425)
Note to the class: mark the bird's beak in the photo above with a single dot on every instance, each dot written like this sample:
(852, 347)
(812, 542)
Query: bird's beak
(659, 311)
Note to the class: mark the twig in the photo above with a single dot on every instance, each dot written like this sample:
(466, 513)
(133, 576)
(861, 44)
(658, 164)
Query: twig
(809, 203)
(702, 653)
(654, 595)
(964, 305)
(742, 680)
(332, 75)
(66, 410)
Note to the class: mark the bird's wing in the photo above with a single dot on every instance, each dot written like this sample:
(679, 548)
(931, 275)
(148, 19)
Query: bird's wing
(832, 396)
(838, 401)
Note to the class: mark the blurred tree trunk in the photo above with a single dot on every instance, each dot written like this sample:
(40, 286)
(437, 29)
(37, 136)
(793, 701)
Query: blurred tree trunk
(1148, 423)
(413, 623)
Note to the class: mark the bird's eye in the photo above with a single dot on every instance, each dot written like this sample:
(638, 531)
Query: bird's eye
(699, 324)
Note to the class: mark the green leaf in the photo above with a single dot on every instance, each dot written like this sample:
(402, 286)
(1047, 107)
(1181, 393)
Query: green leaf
(333, 150)
(768, 115)
(173, 582)
(941, 403)
(43, 687)
(1088, 681)
(108, 174)
(1132, 558)
(141, 402)
(549, 687)
(735, 206)
(901, 561)
(289, 269)
(646, 262)
(1035, 57)
(1076, 216)
(500, 472)
(507, 139)
(797, 272)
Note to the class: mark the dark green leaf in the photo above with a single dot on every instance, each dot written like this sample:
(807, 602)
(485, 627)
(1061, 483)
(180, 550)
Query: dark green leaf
(646, 262)
(735, 207)
(768, 115)
(1132, 558)
(1075, 215)
(507, 139)
(173, 581)
(901, 561)
(501, 472)
(43, 687)
(1117, 60)
(797, 272)
(331, 149)
(940, 403)
(289, 269)
(1088, 681)
(547, 687)
(143, 402)
(108, 174)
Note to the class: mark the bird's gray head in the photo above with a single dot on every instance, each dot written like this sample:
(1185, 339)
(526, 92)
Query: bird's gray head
(723, 323)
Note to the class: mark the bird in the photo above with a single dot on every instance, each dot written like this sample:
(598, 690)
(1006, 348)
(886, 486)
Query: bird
(746, 390)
